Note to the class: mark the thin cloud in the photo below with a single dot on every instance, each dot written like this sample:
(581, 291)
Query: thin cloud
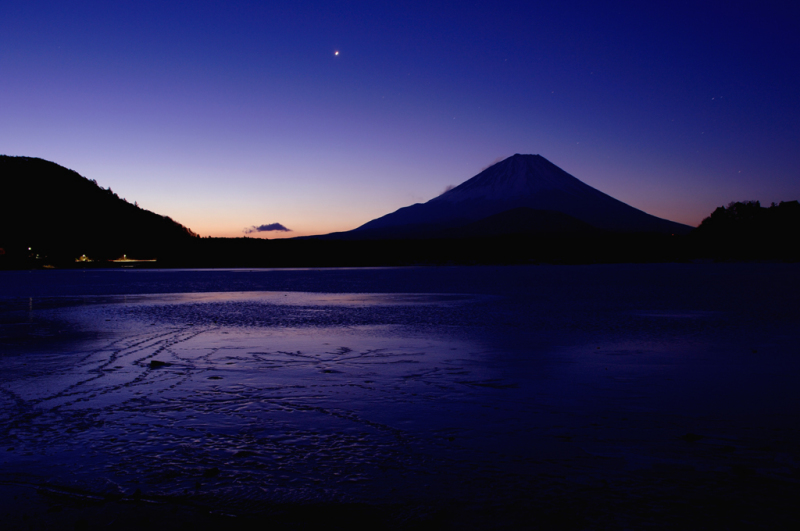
(495, 161)
(267, 228)
(448, 188)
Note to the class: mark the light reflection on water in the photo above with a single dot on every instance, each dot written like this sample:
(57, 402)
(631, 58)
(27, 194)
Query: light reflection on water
(250, 398)
(316, 413)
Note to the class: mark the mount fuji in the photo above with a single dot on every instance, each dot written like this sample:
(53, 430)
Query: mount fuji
(521, 194)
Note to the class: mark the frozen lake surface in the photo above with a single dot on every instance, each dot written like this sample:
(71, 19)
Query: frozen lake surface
(549, 396)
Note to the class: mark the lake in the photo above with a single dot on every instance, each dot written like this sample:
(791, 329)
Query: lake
(596, 396)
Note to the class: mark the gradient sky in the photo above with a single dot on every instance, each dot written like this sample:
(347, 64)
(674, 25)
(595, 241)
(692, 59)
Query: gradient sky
(227, 115)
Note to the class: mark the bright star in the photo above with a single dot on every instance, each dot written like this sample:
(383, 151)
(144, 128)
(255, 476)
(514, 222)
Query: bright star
(336, 52)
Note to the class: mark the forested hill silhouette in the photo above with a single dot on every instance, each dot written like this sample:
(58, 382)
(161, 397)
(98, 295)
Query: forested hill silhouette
(746, 230)
(58, 213)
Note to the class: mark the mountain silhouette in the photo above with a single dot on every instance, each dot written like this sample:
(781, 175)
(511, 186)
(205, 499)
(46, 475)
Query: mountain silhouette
(521, 181)
(60, 214)
(521, 220)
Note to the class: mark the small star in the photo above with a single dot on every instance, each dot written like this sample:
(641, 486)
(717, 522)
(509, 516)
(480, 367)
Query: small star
(336, 52)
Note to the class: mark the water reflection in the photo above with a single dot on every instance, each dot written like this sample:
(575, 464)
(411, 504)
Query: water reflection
(244, 399)
(273, 412)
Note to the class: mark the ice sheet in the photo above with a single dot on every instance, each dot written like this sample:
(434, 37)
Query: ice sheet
(242, 400)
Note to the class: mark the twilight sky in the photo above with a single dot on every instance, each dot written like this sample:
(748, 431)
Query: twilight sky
(232, 115)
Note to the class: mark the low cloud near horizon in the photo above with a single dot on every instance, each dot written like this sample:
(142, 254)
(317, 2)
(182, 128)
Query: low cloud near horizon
(267, 228)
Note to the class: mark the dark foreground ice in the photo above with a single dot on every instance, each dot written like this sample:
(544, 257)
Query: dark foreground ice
(553, 397)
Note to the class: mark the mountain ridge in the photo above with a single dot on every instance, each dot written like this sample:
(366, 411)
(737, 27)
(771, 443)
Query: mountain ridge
(529, 181)
(58, 212)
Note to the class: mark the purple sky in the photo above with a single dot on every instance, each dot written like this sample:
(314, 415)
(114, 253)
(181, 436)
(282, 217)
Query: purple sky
(232, 115)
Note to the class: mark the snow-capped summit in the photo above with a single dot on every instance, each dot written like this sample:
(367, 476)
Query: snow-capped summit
(529, 181)
(520, 175)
